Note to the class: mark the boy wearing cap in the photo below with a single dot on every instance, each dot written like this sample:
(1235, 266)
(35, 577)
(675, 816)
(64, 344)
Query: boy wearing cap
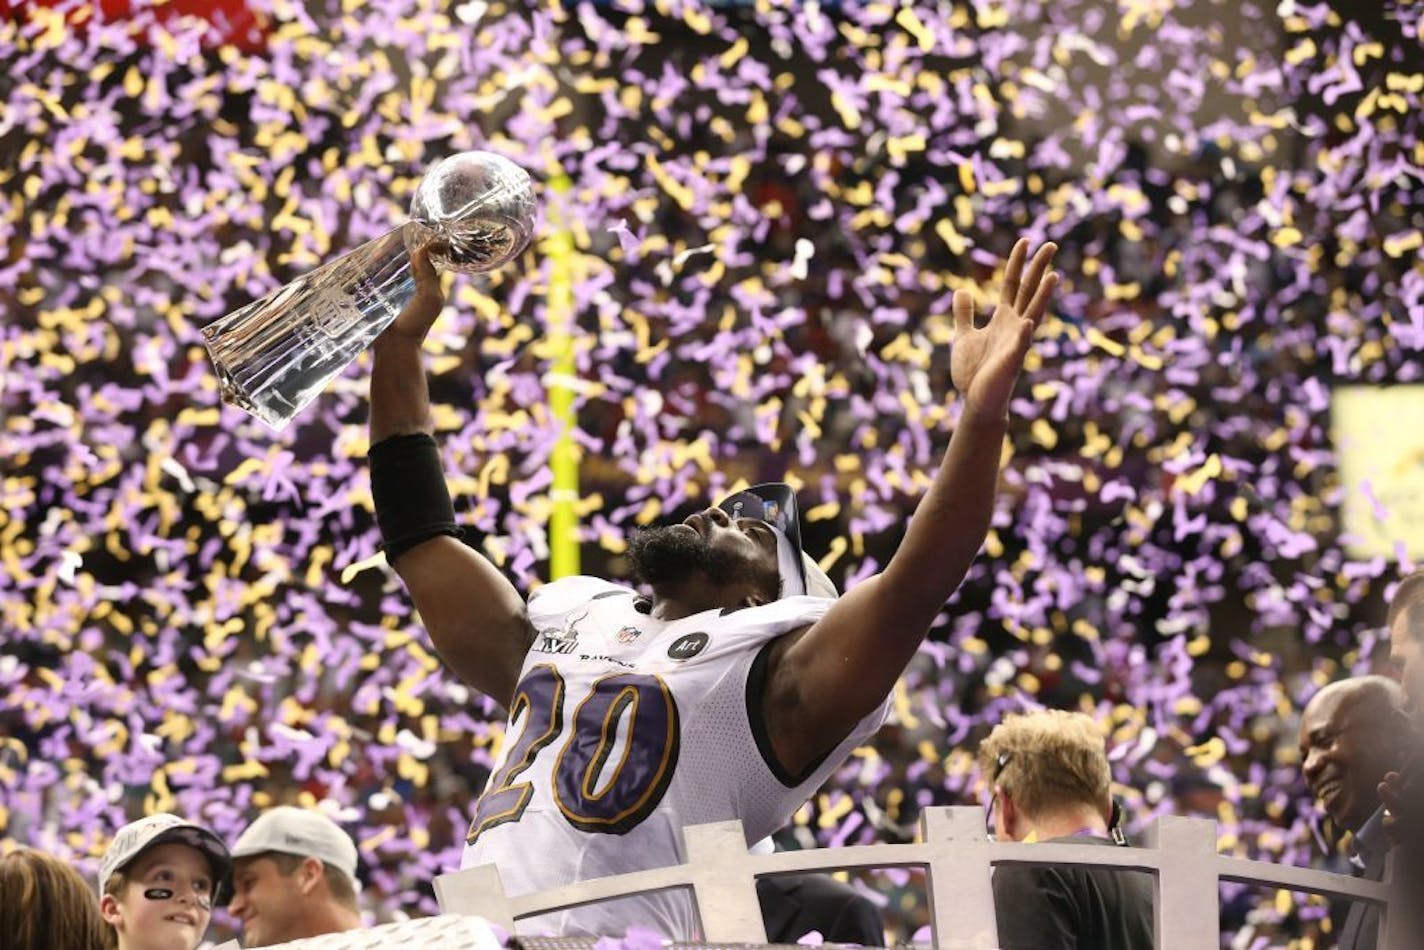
(294, 876)
(158, 880)
(732, 692)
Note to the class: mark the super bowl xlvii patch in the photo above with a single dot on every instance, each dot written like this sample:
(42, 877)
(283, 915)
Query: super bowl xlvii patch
(556, 640)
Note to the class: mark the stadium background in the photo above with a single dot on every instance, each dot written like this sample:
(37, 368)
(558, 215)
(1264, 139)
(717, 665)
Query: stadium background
(759, 212)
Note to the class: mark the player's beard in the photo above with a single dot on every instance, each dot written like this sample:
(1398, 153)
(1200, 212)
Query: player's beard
(667, 555)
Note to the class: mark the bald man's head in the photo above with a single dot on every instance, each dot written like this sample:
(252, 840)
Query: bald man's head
(1351, 733)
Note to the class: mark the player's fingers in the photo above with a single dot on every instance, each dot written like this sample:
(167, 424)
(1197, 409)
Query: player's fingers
(1038, 306)
(1025, 340)
(427, 279)
(1037, 267)
(962, 309)
(1013, 272)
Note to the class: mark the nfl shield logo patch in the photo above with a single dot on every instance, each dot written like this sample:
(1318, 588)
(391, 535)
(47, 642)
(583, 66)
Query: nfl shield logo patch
(628, 634)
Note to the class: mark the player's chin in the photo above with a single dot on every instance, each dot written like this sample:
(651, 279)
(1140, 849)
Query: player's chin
(666, 552)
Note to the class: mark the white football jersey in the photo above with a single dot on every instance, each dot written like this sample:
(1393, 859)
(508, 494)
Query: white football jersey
(624, 729)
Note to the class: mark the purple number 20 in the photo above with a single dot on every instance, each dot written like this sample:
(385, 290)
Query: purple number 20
(540, 696)
(588, 800)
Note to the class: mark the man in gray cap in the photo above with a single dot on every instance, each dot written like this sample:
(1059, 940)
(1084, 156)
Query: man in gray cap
(294, 876)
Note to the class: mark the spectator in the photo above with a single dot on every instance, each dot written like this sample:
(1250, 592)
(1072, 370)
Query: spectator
(794, 905)
(1051, 782)
(1406, 636)
(1352, 734)
(157, 883)
(1402, 791)
(294, 876)
(46, 905)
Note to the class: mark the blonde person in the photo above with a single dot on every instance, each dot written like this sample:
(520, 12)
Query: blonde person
(46, 905)
(1050, 781)
(157, 883)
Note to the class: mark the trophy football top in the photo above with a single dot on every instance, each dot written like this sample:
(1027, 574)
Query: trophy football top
(480, 206)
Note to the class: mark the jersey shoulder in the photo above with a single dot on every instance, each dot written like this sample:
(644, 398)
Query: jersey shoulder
(557, 598)
(716, 637)
(775, 618)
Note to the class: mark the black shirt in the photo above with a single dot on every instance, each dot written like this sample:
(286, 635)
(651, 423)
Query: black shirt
(1367, 857)
(793, 905)
(1073, 907)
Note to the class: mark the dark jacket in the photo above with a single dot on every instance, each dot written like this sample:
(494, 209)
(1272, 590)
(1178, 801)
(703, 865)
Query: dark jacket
(793, 905)
(1073, 908)
(1367, 859)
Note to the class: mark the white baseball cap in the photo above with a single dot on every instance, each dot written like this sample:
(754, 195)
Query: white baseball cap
(302, 832)
(137, 837)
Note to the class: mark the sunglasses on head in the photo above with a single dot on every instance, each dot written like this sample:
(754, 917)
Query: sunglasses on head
(1004, 759)
(999, 763)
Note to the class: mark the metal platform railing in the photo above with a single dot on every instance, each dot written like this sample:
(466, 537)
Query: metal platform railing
(1180, 854)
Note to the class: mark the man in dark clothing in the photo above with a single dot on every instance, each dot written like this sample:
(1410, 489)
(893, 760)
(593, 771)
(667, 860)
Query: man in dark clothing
(1406, 636)
(1051, 782)
(794, 905)
(1352, 733)
(1402, 791)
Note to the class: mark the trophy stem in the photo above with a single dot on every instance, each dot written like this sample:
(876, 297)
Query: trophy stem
(275, 355)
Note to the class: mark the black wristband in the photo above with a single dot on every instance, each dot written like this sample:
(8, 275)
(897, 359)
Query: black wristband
(408, 487)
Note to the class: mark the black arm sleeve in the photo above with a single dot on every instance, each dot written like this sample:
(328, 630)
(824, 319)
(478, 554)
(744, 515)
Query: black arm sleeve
(408, 489)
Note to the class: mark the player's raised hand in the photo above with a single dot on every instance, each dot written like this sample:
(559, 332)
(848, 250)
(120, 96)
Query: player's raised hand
(421, 311)
(985, 361)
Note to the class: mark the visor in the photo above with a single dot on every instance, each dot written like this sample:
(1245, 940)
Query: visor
(775, 504)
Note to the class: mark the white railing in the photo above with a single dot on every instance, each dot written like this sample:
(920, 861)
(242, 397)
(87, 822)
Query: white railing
(1180, 853)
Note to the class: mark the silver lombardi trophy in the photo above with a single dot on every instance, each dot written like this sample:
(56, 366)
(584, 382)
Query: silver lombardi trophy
(475, 209)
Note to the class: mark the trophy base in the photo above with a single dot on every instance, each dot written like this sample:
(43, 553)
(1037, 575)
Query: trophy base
(276, 413)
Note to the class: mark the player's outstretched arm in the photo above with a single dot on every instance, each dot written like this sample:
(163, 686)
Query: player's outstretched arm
(824, 680)
(475, 617)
